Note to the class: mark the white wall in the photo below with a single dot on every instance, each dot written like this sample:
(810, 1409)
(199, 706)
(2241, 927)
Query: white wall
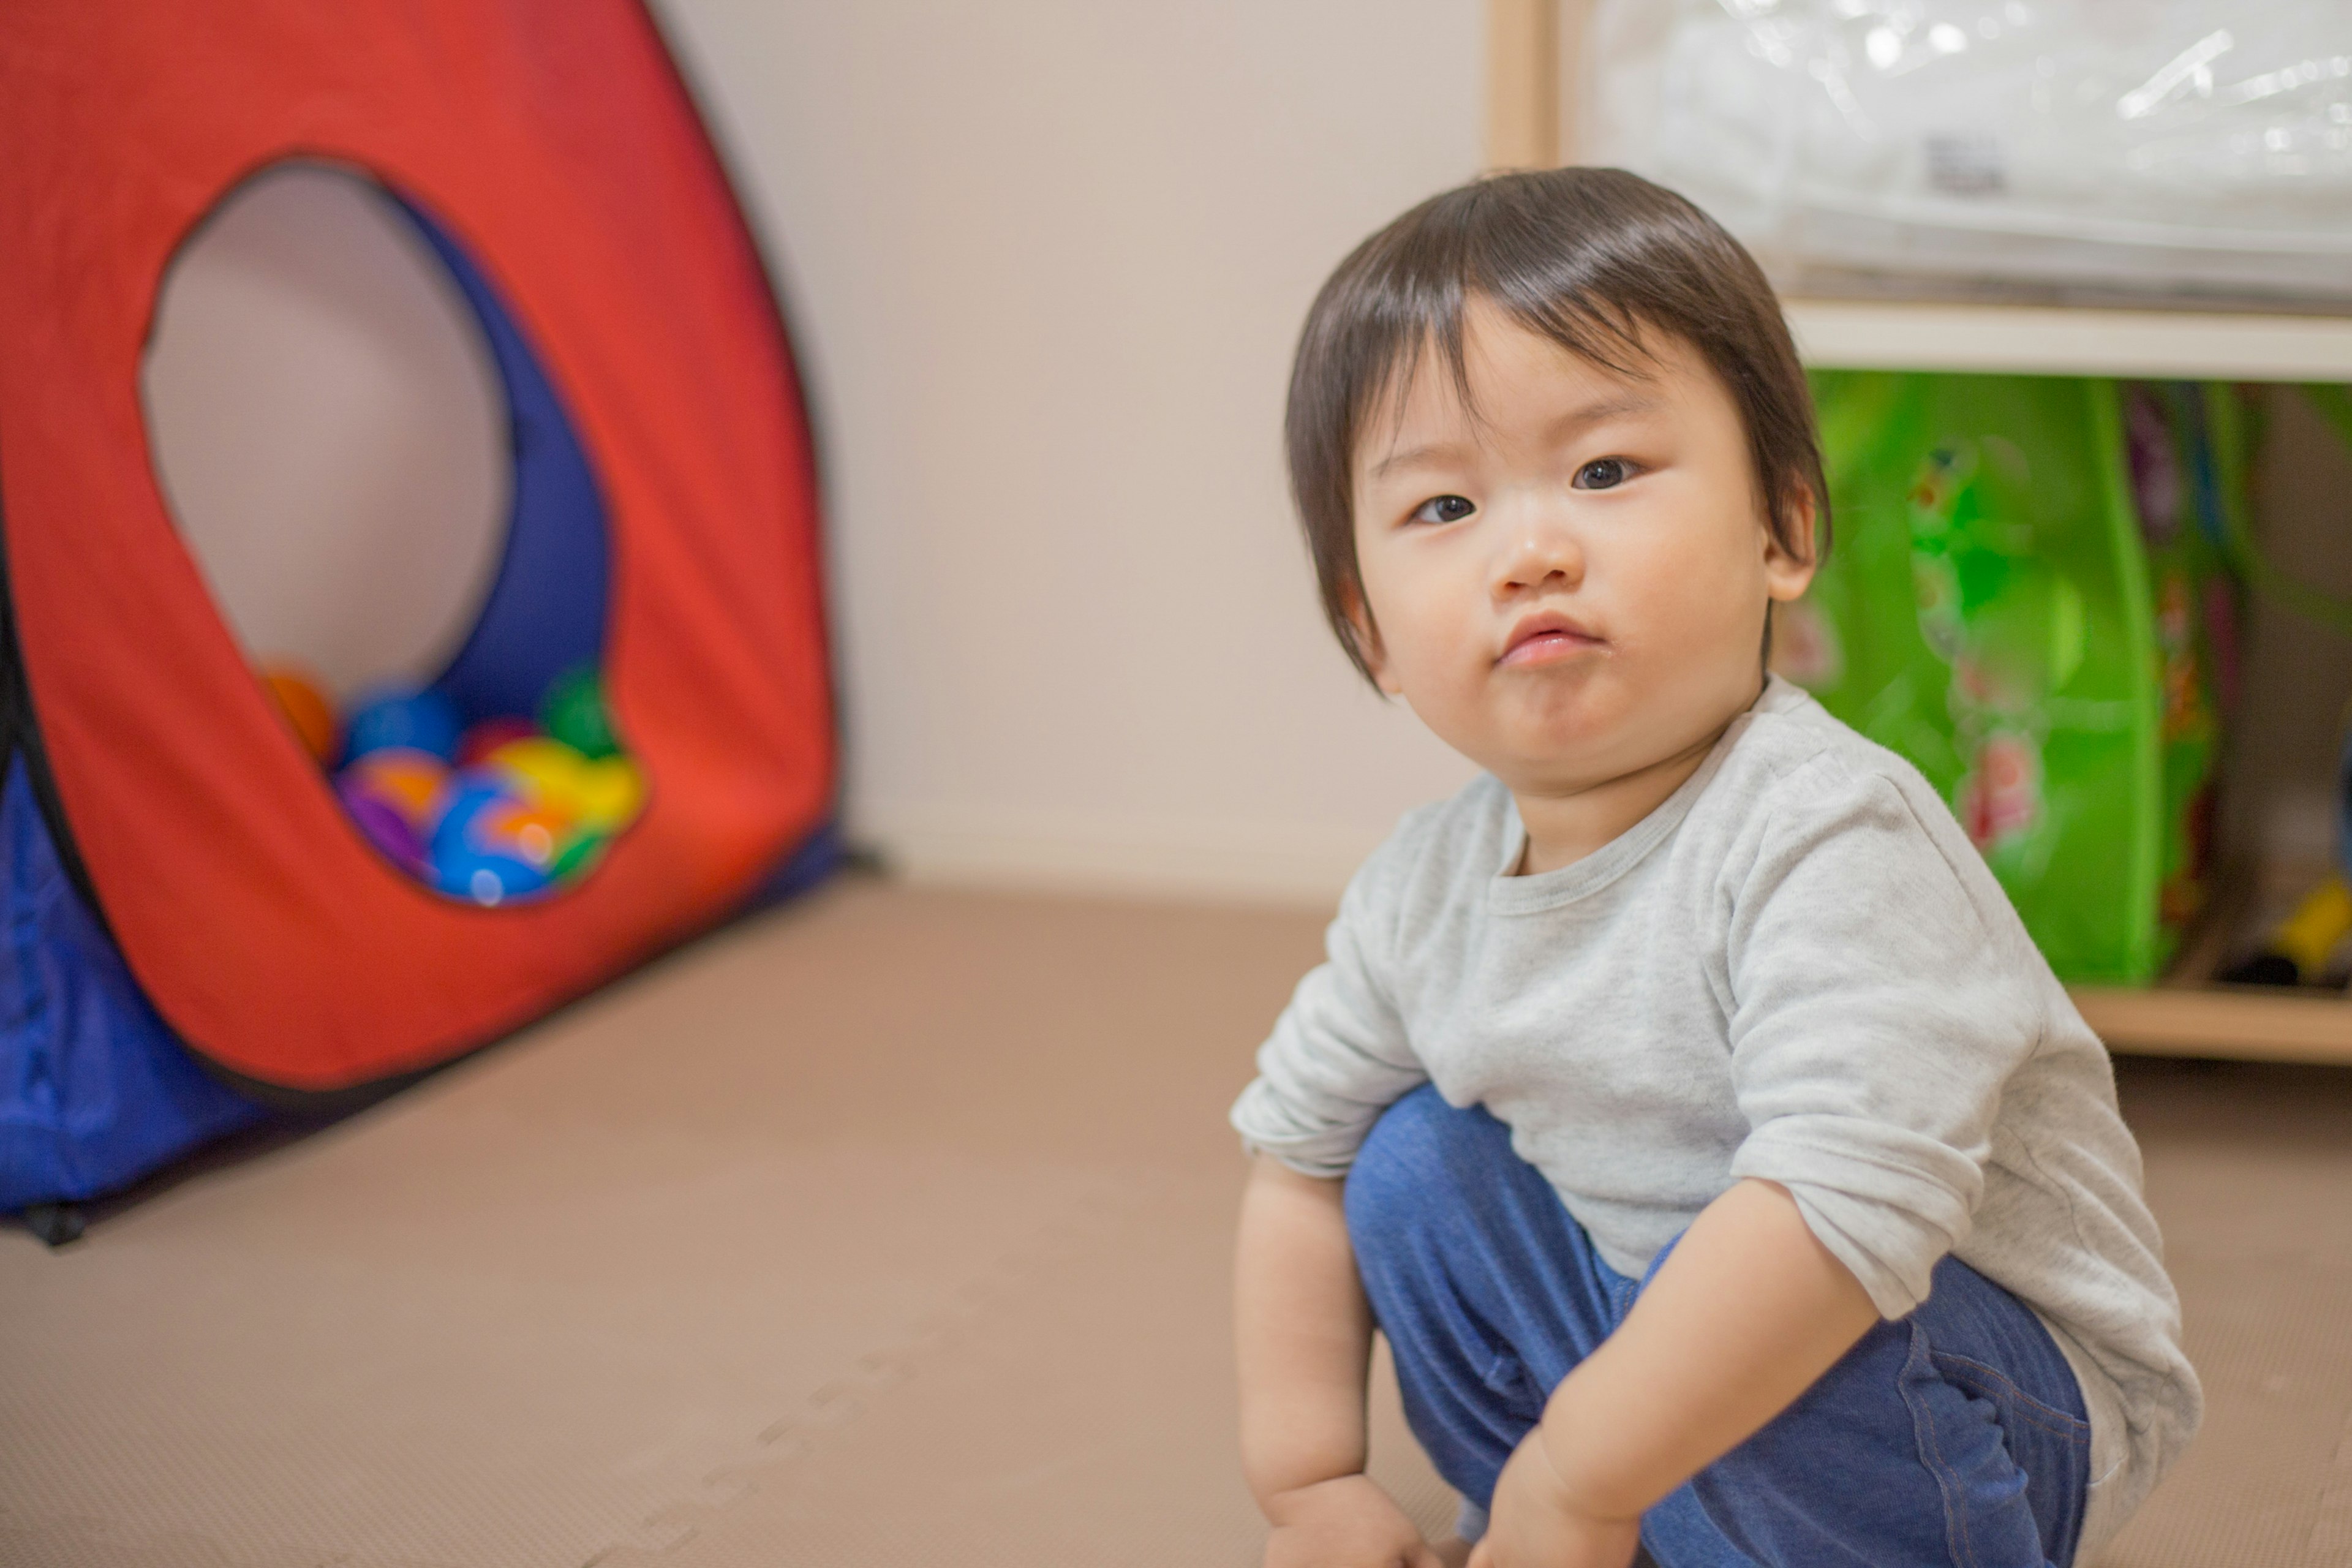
(1045, 261)
(329, 429)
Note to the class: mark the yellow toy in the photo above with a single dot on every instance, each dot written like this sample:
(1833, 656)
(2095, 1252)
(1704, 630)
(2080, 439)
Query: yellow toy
(2296, 952)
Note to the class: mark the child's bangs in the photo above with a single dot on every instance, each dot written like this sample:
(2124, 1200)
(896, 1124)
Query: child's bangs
(1418, 314)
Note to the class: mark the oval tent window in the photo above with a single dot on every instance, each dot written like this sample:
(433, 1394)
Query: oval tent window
(395, 516)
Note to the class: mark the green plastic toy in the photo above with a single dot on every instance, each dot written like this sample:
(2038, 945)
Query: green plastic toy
(2026, 599)
(573, 711)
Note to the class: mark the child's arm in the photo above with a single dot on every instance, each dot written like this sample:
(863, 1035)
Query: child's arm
(1745, 1314)
(1303, 1338)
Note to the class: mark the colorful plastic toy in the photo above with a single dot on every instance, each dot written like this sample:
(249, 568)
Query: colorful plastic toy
(383, 821)
(475, 746)
(579, 856)
(404, 716)
(612, 791)
(412, 781)
(492, 847)
(542, 768)
(2295, 951)
(573, 712)
(2026, 599)
(305, 705)
(534, 833)
(488, 878)
(472, 794)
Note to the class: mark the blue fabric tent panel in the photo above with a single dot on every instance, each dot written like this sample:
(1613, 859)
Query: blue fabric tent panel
(94, 1089)
(545, 612)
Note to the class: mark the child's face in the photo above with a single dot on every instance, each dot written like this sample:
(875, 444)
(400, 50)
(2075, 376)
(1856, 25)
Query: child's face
(1572, 586)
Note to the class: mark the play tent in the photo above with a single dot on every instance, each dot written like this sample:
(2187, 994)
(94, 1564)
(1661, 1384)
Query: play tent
(191, 920)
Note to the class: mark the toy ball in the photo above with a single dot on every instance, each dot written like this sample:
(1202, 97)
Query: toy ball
(580, 856)
(530, 833)
(573, 712)
(409, 779)
(473, 792)
(405, 716)
(488, 879)
(475, 746)
(540, 769)
(306, 709)
(490, 847)
(384, 822)
(612, 791)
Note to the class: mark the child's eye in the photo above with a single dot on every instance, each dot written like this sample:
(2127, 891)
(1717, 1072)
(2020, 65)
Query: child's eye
(1602, 474)
(1444, 508)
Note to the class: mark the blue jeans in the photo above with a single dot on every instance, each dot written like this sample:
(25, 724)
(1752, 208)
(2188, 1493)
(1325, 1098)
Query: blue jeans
(1953, 1436)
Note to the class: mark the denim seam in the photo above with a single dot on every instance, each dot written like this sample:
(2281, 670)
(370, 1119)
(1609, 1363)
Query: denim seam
(2024, 1419)
(1956, 1523)
(2022, 1416)
(2042, 1417)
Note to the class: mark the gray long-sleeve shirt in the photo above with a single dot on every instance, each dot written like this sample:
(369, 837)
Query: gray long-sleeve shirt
(1796, 969)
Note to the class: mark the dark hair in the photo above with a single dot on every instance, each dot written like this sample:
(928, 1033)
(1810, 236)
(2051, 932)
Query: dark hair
(1588, 257)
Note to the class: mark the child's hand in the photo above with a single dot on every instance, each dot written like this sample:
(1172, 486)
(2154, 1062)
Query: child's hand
(1534, 1523)
(1345, 1523)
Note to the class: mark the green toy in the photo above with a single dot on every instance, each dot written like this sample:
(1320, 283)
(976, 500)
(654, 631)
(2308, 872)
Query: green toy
(573, 712)
(2026, 600)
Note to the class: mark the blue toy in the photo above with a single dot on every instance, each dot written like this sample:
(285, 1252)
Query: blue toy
(470, 859)
(488, 878)
(421, 719)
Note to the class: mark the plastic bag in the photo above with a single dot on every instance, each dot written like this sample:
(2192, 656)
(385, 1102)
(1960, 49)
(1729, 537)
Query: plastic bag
(2142, 146)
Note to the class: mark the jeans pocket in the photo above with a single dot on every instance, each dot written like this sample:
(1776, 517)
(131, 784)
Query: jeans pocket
(2011, 1466)
(2018, 1409)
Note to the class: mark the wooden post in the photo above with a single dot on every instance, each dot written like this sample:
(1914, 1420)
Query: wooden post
(1575, 20)
(1522, 84)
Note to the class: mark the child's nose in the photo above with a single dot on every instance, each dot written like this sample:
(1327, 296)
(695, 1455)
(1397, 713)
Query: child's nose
(1540, 551)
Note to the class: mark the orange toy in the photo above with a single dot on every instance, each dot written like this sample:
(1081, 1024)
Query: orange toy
(408, 780)
(307, 709)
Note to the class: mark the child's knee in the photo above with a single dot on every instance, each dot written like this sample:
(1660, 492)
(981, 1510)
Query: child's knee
(1415, 1158)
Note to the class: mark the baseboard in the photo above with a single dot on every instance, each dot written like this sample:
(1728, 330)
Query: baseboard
(1251, 862)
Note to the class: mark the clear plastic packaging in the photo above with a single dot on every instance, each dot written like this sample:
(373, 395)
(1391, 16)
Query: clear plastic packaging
(2186, 147)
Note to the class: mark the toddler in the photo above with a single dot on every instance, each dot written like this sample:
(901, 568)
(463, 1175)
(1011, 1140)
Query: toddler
(1682, 1100)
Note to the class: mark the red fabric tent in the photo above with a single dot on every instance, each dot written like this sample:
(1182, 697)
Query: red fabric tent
(554, 142)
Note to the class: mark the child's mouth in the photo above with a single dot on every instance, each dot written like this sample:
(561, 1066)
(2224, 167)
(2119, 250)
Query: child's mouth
(1546, 641)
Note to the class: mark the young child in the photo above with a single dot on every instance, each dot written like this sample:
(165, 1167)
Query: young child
(1683, 1100)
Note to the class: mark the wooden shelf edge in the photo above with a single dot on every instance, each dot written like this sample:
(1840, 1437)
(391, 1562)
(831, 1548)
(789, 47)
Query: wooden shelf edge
(2037, 339)
(2238, 1023)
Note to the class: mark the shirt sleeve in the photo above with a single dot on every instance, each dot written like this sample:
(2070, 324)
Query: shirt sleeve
(1883, 992)
(1339, 1056)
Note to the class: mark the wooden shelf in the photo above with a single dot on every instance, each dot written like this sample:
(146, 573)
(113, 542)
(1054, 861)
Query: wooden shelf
(1854, 334)
(2190, 1014)
(2245, 1021)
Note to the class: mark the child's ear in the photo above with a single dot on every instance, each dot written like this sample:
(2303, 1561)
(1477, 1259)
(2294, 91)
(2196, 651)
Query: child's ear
(1367, 639)
(1786, 576)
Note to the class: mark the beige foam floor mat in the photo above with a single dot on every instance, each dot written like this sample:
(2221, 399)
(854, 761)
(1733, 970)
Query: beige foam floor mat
(2250, 1172)
(889, 1230)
